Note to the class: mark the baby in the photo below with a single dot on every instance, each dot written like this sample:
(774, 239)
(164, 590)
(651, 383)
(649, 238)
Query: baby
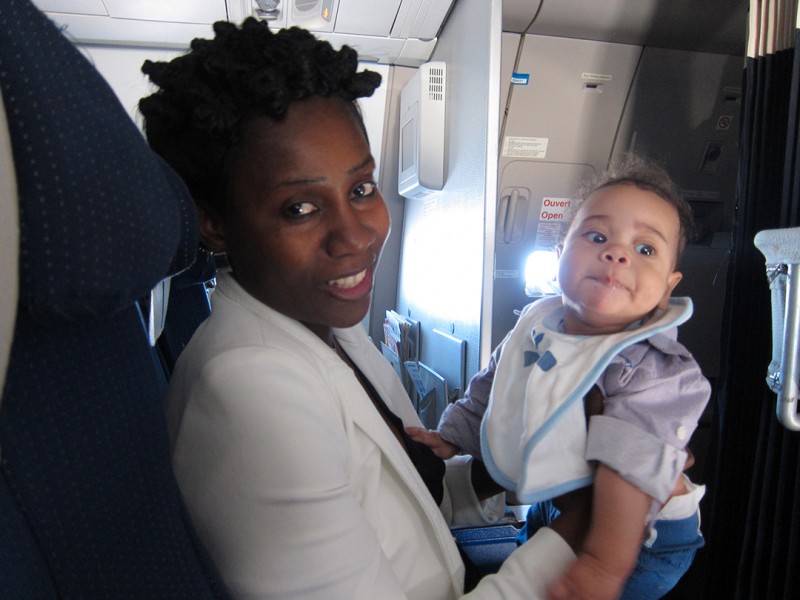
(613, 329)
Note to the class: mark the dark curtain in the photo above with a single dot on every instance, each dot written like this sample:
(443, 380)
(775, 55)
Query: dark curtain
(752, 510)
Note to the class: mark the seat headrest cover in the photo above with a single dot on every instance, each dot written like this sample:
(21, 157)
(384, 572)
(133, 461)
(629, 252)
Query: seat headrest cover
(102, 217)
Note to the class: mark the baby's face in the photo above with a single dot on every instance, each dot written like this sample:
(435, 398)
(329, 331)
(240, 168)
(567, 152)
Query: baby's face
(618, 259)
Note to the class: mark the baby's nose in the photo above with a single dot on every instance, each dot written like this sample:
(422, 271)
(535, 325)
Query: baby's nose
(615, 255)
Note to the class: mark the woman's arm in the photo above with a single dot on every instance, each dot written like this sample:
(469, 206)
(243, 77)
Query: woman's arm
(267, 466)
(262, 460)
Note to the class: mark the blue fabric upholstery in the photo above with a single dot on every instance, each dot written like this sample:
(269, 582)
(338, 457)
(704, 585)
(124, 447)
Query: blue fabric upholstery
(89, 507)
(188, 307)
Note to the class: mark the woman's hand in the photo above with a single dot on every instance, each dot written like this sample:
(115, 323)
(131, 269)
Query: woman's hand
(433, 440)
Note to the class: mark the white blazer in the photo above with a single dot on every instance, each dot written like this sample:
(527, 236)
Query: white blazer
(295, 483)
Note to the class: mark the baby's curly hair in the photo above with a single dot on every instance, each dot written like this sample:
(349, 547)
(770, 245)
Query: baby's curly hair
(648, 175)
(206, 97)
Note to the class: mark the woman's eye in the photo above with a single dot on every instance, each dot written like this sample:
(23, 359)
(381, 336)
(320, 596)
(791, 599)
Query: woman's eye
(596, 237)
(365, 190)
(300, 209)
(645, 249)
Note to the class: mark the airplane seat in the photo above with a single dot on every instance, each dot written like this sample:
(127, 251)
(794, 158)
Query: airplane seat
(188, 306)
(89, 506)
(18, 553)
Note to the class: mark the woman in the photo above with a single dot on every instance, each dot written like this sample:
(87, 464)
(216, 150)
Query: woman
(286, 422)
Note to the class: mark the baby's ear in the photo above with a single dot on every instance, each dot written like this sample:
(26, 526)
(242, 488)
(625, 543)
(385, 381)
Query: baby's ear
(559, 248)
(673, 279)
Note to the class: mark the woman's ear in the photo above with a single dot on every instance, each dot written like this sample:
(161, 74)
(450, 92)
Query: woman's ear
(210, 232)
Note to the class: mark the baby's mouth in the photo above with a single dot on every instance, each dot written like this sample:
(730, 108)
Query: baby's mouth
(609, 282)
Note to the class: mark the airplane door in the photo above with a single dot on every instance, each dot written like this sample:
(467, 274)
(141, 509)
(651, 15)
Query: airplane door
(565, 105)
(532, 214)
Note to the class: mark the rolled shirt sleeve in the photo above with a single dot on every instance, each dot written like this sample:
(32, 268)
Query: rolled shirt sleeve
(654, 395)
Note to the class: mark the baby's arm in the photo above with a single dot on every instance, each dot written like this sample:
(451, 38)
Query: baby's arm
(461, 420)
(609, 553)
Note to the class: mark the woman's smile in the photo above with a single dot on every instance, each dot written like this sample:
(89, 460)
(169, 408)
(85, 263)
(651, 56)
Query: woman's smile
(352, 287)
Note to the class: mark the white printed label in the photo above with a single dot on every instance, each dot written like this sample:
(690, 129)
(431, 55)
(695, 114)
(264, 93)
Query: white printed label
(548, 234)
(596, 77)
(525, 147)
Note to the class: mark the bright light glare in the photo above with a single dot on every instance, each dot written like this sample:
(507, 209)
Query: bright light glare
(541, 269)
(442, 263)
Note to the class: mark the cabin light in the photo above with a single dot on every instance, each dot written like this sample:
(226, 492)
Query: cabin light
(541, 269)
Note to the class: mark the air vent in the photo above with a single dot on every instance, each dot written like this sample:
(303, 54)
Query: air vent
(436, 84)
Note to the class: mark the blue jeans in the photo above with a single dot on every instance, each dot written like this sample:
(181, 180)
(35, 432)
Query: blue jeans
(660, 565)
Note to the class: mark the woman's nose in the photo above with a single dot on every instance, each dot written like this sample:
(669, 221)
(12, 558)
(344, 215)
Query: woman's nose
(349, 233)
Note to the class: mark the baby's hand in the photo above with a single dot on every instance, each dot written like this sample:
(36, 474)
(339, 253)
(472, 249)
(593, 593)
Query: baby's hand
(433, 440)
(586, 579)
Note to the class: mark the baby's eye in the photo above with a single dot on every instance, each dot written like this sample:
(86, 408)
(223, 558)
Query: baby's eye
(645, 249)
(365, 190)
(300, 209)
(596, 237)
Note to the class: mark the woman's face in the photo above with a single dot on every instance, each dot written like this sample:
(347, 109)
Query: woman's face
(307, 222)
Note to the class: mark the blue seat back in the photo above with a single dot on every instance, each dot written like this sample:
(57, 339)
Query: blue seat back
(188, 306)
(89, 507)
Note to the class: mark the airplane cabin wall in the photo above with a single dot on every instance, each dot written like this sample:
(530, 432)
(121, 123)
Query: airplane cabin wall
(445, 240)
(385, 289)
(562, 119)
(120, 66)
(585, 103)
(589, 100)
(684, 112)
(679, 107)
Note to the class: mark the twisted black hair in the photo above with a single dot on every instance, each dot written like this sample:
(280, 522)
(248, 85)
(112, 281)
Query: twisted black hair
(206, 97)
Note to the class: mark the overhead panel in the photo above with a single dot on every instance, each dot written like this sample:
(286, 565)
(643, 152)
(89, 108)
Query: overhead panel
(155, 23)
(178, 11)
(183, 11)
(375, 18)
(400, 32)
(85, 7)
(421, 18)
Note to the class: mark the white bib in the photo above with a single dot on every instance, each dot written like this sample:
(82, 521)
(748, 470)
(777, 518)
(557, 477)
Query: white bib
(533, 435)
